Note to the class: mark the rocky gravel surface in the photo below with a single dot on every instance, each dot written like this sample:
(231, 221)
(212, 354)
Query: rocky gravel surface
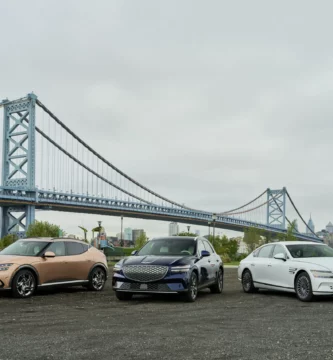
(77, 324)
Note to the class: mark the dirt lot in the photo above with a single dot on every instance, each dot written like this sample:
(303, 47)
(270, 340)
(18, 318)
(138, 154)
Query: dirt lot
(77, 324)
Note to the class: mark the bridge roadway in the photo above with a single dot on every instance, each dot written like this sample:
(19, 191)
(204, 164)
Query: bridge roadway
(50, 200)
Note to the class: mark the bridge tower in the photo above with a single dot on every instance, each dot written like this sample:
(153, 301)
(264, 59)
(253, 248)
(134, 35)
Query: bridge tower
(276, 208)
(18, 163)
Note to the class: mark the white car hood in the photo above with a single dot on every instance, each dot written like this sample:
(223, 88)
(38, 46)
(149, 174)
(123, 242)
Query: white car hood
(326, 262)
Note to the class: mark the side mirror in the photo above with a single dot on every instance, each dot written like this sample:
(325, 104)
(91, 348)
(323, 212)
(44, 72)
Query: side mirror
(280, 256)
(49, 254)
(205, 253)
(134, 252)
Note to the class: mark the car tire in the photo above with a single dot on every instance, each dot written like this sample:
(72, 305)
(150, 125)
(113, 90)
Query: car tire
(247, 282)
(24, 284)
(303, 287)
(192, 292)
(218, 286)
(123, 296)
(97, 279)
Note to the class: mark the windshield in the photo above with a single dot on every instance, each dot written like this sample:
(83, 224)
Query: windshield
(169, 247)
(25, 248)
(309, 251)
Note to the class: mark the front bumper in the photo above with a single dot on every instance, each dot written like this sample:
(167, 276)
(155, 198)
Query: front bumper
(322, 286)
(170, 284)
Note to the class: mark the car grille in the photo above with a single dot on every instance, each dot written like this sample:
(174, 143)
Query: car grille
(145, 273)
(150, 287)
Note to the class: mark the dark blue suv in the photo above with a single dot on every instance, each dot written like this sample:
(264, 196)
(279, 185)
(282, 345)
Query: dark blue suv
(169, 265)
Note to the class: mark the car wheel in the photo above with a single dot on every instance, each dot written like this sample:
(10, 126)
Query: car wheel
(97, 279)
(218, 286)
(303, 287)
(247, 282)
(123, 296)
(192, 292)
(24, 284)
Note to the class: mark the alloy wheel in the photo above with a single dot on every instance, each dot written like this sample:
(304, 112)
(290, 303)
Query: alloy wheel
(220, 280)
(194, 286)
(247, 281)
(303, 287)
(98, 279)
(25, 284)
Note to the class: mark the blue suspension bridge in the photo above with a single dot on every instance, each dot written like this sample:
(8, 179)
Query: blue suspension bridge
(46, 166)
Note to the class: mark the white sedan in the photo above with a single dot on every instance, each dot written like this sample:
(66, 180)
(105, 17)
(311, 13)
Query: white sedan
(301, 267)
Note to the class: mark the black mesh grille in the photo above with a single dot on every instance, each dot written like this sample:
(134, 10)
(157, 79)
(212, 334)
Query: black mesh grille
(145, 273)
(147, 287)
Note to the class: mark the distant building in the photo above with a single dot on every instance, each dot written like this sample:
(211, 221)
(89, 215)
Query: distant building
(128, 234)
(311, 228)
(173, 229)
(120, 236)
(137, 233)
(329, 228)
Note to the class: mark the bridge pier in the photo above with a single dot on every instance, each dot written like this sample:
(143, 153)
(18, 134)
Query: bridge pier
(276, 208)
(18, 163)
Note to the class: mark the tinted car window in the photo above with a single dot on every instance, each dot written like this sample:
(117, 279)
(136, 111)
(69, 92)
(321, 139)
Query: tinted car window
(278, 249)
(74, 248)
(24, 248)
(310, 250)
(265, 251)
(58, 248)
(169, 247)
(208, 247)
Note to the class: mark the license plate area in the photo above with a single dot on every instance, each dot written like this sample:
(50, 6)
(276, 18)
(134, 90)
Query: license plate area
(143, 287)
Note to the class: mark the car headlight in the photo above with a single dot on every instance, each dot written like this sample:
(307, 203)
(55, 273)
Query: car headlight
(4, 267)
(180, 269)
(322, 274)
(117, 268)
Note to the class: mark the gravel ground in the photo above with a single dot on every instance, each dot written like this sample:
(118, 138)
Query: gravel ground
(78, 324)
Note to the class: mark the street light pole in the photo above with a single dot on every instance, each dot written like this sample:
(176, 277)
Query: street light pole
(188, 229)
(208, 230)
(99, 235)
(214, 219)
(121, 233)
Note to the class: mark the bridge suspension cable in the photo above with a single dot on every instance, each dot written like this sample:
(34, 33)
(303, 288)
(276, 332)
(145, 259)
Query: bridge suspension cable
(83, 143)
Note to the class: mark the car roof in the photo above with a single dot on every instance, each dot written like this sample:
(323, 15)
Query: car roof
(50, 239)
(176, 238)
(297, 243)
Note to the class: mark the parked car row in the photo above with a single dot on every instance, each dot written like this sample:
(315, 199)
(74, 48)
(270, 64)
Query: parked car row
(169, 265)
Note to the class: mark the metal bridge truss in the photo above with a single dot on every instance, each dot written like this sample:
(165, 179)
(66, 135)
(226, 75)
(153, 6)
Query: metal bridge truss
(20, 196)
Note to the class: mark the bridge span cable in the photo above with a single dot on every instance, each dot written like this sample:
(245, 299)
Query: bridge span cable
(86, 167)
(83, 165)
(106, 161)
(292, 203)
(241, 207)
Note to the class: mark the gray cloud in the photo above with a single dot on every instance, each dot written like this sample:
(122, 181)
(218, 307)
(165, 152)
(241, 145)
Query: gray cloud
(206, 103)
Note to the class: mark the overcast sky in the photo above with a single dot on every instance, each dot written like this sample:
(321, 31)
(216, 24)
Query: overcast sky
(206, 102)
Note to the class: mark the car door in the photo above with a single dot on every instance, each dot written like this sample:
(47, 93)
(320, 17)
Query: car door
(53, 270)
(78, 262)
(214, 261)
(203, 264)
(259, 264)
(278, 270)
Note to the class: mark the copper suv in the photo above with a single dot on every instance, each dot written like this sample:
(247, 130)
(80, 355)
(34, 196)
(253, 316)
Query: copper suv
(29, 264)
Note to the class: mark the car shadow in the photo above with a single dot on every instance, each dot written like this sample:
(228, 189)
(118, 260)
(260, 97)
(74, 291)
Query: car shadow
(290, 295)
(166, 298)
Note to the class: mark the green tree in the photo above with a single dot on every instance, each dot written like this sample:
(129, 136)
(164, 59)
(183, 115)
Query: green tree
(184, 233)
(140, 241)
(43, 229)
(292, 227)
(252, 238)
(7, 240)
